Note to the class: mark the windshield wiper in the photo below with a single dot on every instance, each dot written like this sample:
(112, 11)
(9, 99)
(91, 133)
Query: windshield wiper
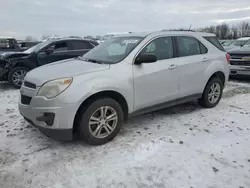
(91, 60)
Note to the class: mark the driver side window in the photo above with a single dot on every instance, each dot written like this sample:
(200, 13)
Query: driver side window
(162, 48)
(58, 47)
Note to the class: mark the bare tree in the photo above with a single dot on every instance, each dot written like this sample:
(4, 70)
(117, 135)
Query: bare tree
(234, 32)
(244, 28)
(224, 31)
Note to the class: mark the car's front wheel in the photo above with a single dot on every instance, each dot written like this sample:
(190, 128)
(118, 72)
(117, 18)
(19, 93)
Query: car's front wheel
(100, 121)
(212, 93)
(16, 76)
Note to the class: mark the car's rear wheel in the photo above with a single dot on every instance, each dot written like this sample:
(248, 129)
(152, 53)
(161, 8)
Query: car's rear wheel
(100, 121)
(16, 76)
(212, 93)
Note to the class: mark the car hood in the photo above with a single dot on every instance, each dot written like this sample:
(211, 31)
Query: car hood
(242, 50)
(62, 69)
(8, 55)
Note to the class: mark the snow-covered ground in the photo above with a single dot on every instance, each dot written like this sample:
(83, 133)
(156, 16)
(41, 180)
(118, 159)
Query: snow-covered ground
(185, 146)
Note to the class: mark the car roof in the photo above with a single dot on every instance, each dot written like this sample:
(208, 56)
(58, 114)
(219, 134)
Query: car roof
(158, 33)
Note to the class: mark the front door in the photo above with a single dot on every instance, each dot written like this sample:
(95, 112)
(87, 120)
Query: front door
(156, 83)
(55, 52)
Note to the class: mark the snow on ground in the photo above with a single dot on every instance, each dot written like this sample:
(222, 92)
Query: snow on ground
(185, 146)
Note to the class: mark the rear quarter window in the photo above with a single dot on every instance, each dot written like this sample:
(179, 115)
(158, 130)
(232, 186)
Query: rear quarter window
(214, 41)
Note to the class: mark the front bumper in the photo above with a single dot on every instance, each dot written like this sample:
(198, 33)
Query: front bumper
(55, 134)
(239, 70)
(61, 126)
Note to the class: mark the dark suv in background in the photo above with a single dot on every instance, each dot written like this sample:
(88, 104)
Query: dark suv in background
(15, 65)
(9, 44)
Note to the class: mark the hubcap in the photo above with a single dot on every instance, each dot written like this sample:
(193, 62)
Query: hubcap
(18, 77)
(214, 93)
(103, 122)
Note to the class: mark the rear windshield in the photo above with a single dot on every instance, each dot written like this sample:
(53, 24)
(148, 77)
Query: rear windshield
(214, 41)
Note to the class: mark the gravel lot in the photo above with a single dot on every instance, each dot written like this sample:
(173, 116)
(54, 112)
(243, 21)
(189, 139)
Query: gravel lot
(185, 146)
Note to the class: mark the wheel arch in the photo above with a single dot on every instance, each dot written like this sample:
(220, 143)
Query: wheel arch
(24, 63)
(218, 74)
(102, 94)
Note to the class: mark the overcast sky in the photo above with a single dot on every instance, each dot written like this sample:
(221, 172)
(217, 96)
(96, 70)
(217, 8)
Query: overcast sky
(20, 18)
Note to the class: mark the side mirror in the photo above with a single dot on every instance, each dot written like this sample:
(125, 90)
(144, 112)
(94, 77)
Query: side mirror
(145, 58)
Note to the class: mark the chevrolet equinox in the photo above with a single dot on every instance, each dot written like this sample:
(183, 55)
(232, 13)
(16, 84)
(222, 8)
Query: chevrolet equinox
(89, 97)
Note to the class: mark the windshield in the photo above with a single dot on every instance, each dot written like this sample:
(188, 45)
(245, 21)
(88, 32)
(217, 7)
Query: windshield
(113, 50)
(247, 44)
(37, 47)
(238, 43)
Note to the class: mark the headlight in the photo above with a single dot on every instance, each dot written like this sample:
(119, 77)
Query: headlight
(53, 88)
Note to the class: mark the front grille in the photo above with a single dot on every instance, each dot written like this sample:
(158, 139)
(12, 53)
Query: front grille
(29, 85)
(243, 63)
(238, 56)
(25, 99)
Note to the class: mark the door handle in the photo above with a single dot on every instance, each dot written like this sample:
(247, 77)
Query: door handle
(205, 59)
(172, 67)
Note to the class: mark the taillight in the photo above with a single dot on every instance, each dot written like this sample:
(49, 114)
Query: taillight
(228, 57)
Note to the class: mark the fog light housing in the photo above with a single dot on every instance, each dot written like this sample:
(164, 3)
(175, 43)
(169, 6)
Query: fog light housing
(47, 118)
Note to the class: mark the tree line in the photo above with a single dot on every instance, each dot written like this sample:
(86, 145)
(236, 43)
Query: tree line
(222, 31)
(226, 31)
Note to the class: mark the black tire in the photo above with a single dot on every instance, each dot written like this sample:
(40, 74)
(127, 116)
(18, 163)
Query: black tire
(204, 100)
(11, 76)
(83, 124)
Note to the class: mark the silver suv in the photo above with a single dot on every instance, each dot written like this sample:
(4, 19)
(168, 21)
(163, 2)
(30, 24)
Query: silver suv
(91, 96)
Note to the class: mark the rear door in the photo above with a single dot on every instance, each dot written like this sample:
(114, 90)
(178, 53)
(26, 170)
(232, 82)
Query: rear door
(79, 47)
(192, 62)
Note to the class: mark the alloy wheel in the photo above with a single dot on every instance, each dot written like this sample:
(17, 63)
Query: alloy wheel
(103, 122)
(214, 93)
(18, 77)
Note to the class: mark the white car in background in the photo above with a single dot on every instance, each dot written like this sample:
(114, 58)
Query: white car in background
(237, 44)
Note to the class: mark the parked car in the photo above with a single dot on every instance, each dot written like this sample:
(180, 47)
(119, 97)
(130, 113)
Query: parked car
(238, 43)
(227, 42)
(240, 61)
(14, 65)
(9, 44)
(25, 45)
(128, 75)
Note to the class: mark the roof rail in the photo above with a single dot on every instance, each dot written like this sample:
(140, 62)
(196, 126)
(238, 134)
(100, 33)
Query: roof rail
(178, 30)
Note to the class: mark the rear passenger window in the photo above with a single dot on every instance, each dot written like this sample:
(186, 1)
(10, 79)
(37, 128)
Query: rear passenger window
(162, 48)
(214, 41)
(81, 45)
(203, 49)
(190, 46)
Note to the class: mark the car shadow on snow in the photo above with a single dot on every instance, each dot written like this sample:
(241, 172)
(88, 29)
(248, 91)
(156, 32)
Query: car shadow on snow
(242, 79)
(156, 116)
